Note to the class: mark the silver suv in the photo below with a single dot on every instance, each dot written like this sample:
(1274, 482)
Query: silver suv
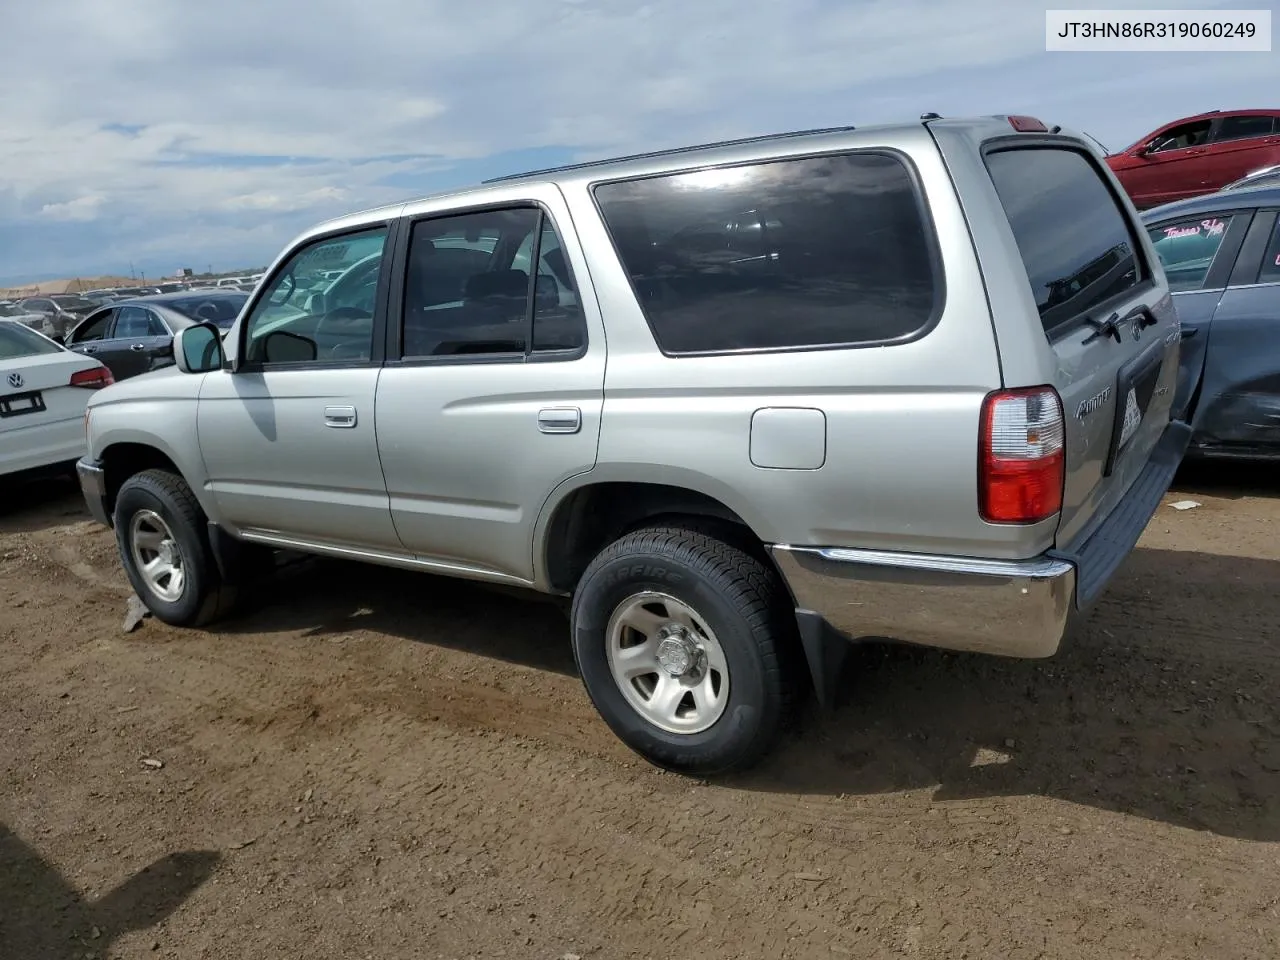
(742, 403)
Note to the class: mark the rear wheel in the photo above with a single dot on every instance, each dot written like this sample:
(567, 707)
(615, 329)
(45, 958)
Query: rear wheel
(164, 546)
(686, 645)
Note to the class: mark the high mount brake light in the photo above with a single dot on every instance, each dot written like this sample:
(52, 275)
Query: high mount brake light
(1027, 124)
(1022, 457)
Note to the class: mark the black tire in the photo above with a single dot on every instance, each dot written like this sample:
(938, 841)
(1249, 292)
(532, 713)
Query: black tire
(746, 606)
(204, 597)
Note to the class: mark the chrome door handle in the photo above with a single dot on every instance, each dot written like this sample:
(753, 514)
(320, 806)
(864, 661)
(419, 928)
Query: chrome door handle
(138, 347)
(560, 420)
(340, 417)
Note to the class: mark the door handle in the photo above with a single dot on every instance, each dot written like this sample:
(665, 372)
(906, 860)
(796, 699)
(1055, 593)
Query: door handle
(85, 347)
(138, 347)
(560, 420)
(340, 417)
(1187, 334)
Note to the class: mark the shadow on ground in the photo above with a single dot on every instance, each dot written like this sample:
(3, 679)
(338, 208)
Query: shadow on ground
(1161, 706)
(37, 503)
(43, 918)
(323, 598)
(1230, 480)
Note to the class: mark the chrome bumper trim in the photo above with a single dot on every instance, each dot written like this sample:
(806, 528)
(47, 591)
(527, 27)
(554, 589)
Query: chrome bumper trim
(1015, 608)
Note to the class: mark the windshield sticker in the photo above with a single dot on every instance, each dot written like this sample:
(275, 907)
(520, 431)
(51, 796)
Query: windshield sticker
(1211, 228)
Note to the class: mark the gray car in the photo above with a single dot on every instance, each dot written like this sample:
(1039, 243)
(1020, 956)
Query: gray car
(1221, 254)
(740, 404)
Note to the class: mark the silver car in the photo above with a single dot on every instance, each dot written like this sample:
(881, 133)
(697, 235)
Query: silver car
(741, 403)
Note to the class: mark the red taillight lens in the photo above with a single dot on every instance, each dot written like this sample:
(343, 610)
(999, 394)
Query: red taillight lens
(1022, 456)
(92, 378)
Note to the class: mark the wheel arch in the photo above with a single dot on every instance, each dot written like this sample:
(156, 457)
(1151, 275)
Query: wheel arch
(588, 512)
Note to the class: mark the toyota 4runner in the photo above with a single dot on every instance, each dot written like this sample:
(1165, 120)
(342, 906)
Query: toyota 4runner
(742, 403)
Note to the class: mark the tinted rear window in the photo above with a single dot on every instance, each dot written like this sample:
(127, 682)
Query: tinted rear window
(16, 342)
(813, 252)
(220, 309)
(1075, 241)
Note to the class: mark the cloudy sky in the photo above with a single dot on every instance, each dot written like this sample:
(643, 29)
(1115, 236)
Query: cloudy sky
(172, 133)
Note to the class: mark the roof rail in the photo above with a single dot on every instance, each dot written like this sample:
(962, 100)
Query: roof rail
(674, 151)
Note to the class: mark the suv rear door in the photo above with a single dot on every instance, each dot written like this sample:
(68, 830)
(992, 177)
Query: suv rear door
(1104, 311)
(1075, 302)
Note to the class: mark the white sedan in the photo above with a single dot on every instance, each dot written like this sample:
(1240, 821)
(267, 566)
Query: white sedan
(44, 388)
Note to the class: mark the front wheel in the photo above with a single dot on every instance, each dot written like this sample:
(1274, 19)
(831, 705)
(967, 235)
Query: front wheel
(686, 645)
(164, 546)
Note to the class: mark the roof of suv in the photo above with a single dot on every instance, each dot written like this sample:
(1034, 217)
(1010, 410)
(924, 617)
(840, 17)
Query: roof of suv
(692, 157)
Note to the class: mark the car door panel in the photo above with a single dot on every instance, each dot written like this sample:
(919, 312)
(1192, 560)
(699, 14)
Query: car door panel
(290, 448)
(292, 453)
(472, 448)
(1238, 408)
(1230, 159)
(1198, 254)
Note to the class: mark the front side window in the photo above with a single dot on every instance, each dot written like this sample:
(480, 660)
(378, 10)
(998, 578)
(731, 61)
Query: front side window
(1181, 138)
(1244, 128)
(95, 328)
(1074, 238)
(320, 305)
(813, 252)
(469, 291)
(1187, 247)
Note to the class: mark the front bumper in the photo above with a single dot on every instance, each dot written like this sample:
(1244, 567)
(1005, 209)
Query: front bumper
(93, 484)
(1015, 608)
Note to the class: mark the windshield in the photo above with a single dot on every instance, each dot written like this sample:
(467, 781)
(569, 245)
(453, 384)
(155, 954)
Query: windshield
(220, 309)
(17, 341)
(74, 303)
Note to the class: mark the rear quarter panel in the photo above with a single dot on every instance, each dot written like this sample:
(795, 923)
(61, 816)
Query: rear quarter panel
(899, 465)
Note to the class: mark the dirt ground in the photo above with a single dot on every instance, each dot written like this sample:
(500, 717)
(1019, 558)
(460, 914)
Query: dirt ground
(387, 765)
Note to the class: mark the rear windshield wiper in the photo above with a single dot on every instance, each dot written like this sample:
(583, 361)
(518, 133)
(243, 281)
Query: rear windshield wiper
(1110, 327)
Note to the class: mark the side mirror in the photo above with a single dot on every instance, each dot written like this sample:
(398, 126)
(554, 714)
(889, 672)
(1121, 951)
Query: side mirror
(198, 349)
(315, 303)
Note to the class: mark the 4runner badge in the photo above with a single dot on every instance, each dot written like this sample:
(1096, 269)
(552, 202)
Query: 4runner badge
(1093, 404)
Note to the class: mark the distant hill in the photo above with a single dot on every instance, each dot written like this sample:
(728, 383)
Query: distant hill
(78, 285)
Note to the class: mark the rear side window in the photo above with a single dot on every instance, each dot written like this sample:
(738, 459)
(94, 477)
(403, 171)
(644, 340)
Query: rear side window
(1244, 128)
(815, 252)
(1076, 242)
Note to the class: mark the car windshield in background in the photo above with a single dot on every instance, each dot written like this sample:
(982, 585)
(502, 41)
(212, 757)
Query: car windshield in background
(74, 303)
(17, 341)
(220, 309)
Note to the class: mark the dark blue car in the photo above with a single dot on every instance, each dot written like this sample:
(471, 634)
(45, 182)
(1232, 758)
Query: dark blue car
(1221, 253)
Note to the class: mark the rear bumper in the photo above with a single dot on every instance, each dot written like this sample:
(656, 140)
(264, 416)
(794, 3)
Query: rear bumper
(93, 484)
(1016, 608)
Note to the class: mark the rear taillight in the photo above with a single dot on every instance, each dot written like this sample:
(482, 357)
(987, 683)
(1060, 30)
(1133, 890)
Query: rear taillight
(1021, 456)
(92, 378)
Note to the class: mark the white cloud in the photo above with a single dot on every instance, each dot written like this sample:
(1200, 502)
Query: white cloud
(123, 113)
(81, 208)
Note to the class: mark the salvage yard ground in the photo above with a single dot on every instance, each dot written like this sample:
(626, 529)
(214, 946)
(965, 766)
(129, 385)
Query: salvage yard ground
(382, 764)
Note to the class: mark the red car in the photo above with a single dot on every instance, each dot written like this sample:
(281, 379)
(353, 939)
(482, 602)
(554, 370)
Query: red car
(1197, 155)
